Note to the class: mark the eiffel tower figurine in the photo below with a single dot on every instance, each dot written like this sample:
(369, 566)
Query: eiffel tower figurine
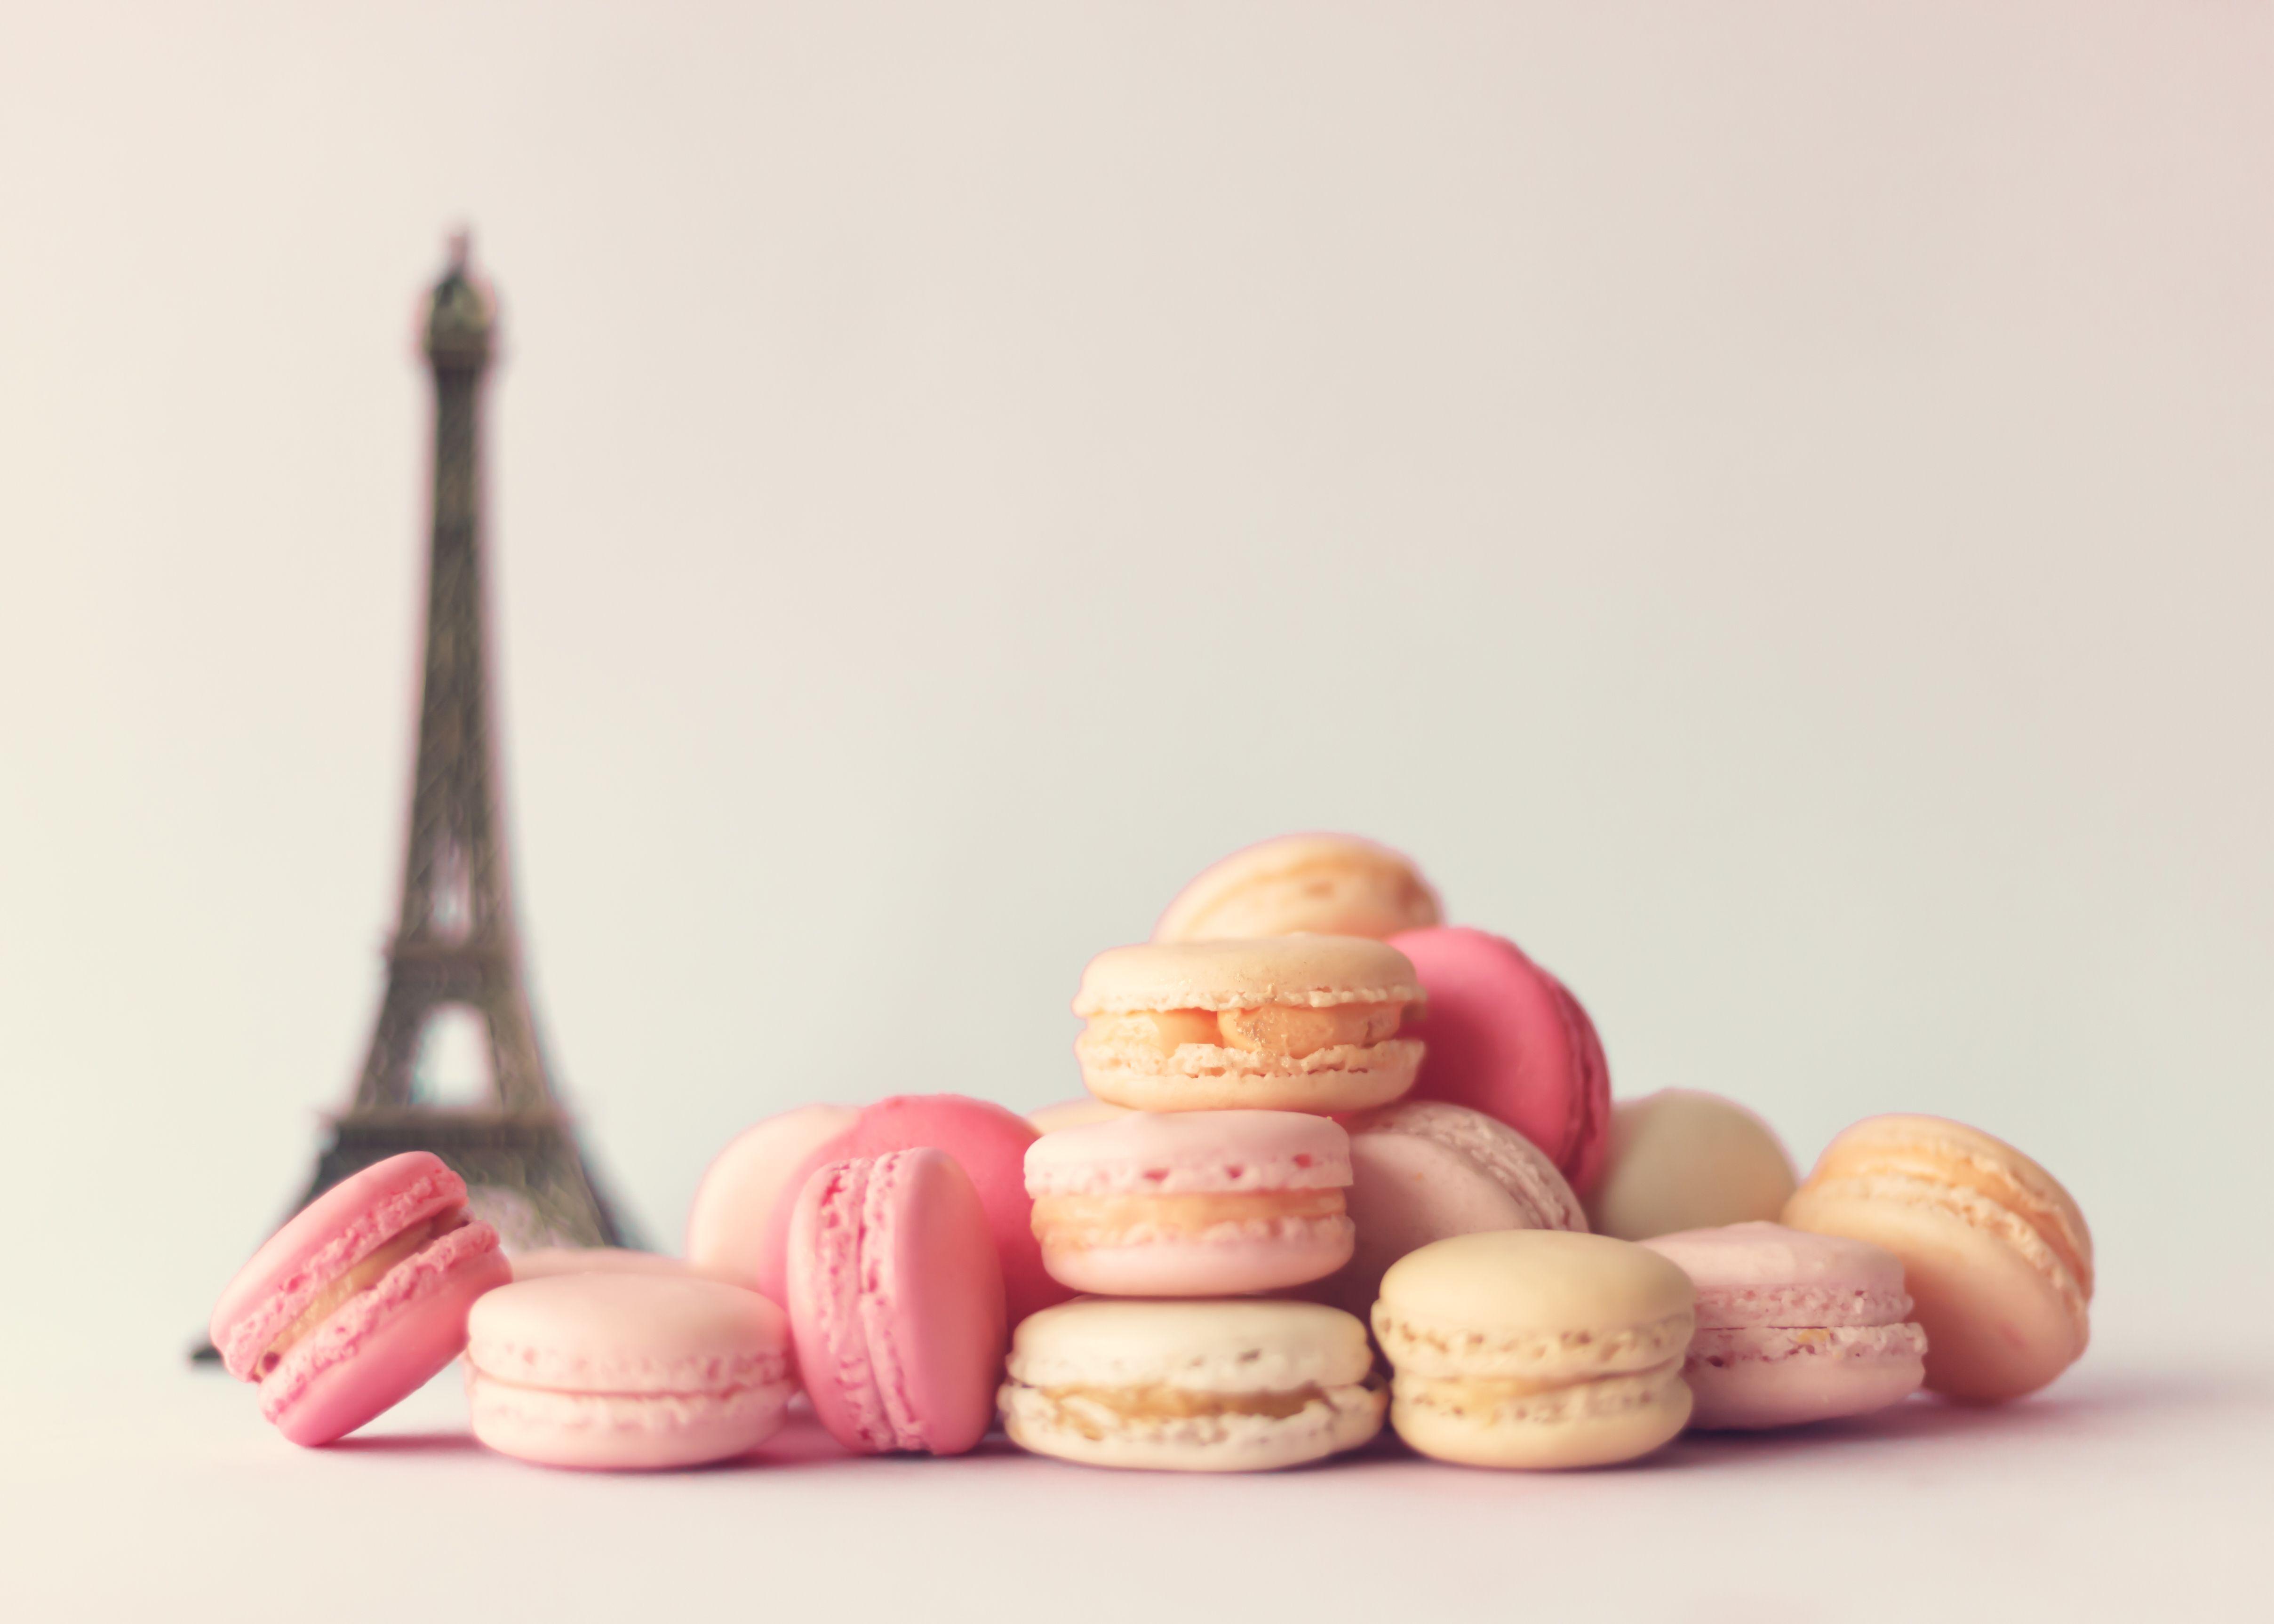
(455, 947)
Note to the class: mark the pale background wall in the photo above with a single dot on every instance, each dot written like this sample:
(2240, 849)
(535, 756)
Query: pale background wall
(1771, 503)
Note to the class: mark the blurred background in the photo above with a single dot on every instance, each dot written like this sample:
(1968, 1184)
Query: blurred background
(1770, 505)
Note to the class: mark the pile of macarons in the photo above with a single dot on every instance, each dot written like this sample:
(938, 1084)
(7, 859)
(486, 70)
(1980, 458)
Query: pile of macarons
(1339, 1167)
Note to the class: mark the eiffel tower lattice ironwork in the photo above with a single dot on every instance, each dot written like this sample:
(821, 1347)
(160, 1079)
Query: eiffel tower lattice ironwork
(455, 947)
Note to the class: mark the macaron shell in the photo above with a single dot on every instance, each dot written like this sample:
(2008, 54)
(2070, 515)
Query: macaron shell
(1207, 1268)
(1681, 1159)
(1598, 1423)
(2003, 1316)
(615, 1432)
(1504, 1037)
(988, 1141)
(730, 1222)
(384, 1344)
(1746, 1378)
(1332, 884)
(320, 1242)
(547, 1261)
(1306, 972)
(896, 1300)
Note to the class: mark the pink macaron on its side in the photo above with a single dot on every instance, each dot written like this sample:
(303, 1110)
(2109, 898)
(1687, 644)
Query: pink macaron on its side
(987, 1141)
(1793, 1327)
(616, 1372)
(1192, 1203)
(1504, 1037)
(896, 1301)
(357, 1301)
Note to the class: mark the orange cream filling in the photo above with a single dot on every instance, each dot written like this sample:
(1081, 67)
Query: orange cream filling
(1487, 1392)
(362, 1277)
(1079, 1219)
(1961, 1172)
(1280, 1031)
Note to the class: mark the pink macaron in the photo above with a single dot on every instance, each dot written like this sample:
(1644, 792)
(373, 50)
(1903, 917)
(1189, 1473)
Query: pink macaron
(988, 1142)
(1504, 1037)
(1793, 1327)
(618, 1372)
(1192, 1203)
(363, 1297)
(896, 1302)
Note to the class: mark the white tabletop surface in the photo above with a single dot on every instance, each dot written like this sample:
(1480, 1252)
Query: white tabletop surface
(2136, 1488)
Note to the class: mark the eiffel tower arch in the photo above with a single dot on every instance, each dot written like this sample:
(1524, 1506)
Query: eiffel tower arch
(455, 951)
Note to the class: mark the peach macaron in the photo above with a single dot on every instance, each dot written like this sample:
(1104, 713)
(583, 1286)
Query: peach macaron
(1328, 885)
(1995, 1253)
(1300, 1023)
(1192, 1203)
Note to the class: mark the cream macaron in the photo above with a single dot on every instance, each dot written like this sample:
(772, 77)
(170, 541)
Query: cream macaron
(1301, 1023)
(1996, 1255)
(1237, 1385)
(1535, 1347)
(1332, 884)
(1681, 1159)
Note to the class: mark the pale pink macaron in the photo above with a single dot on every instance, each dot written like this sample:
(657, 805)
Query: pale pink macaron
(896, 1300)
(1422, 1172)
(353, 1304)
(627, 1372)
(1192, 1203)
(1793, 1327)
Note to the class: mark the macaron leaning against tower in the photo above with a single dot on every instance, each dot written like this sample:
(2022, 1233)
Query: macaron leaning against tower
(1244, 1385)
(1534, 1348)
(1192, 1203)
(1326, 884)
(1304, 1022)
(361, 1297)
(1996, 1256)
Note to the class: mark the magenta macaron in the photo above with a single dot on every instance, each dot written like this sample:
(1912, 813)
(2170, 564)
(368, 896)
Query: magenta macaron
(363, 1297)
(1793, 1327)
(1503, 1036)
(896, 1303)
(1192, 1203)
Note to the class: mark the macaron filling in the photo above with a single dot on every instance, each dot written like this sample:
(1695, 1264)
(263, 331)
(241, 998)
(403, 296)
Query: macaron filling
(1276, 1032)
(1078, 1408)
(1062, 1221)
(364, 1275)
(1516, 1399)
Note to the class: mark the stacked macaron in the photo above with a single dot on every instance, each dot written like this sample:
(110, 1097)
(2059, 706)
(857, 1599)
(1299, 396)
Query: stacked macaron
(1315, 1111)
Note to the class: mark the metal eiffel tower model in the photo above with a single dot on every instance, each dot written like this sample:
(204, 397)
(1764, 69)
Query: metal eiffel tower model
(454, 945)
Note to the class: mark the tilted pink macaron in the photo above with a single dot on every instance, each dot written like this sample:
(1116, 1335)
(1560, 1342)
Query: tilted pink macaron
(1192, 1203)
(739, 1229)
(896, 1299)
(353, 1304)
(1423, 1170)
(627, 1372)
(1793, 1327)
(1504, 1037)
